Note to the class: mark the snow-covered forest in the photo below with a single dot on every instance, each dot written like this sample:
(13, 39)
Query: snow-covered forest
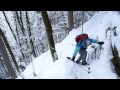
(26, 50)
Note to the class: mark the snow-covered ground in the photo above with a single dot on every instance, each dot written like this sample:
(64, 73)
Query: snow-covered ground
(63, 68)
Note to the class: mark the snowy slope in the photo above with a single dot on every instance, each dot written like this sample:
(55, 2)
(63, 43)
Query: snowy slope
(65, 69)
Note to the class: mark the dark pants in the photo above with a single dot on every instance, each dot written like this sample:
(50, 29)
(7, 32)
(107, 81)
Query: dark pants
(83, 55)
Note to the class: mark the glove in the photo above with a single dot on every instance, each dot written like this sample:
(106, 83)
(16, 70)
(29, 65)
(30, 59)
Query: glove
(73, 59)
(101, 43)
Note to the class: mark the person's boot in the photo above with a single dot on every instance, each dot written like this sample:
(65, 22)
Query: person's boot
(84, 63)
(73, 58)
(77, 62)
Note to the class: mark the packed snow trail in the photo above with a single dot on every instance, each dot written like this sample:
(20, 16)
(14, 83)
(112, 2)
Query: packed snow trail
(101, 68)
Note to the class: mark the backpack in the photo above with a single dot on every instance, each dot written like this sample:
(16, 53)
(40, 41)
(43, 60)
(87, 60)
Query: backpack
(81, 37)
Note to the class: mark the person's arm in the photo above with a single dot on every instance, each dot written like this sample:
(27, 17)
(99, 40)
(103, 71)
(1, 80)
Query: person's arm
(93, 40)
(96, 41)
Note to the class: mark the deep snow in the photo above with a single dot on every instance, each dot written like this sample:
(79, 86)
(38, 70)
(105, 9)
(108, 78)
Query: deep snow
(101, 68)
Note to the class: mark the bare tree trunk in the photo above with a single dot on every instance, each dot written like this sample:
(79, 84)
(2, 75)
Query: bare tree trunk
(49, 35)
(19, 44)
(9, 26)
(31, 41)
(4, 66)
(6, 59)
(23, 31)
(9, 49)
(70, 20)
(82, 21)
(20, 23)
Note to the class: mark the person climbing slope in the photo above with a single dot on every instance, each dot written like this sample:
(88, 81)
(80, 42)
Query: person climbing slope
(83, 41)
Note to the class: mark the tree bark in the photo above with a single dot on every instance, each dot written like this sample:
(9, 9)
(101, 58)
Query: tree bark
(70, 20)
(49, 35)
(4, 66)
(10, 26)
(23, 31)
(82, 21)
(20, 23)
(9, 49)
(29, 32)
(19, 44)
(7, 59)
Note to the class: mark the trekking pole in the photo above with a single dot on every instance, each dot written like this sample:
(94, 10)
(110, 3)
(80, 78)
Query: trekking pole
(81, 66)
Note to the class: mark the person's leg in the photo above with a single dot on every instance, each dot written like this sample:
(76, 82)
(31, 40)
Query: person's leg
(83, 56)
(79, 59)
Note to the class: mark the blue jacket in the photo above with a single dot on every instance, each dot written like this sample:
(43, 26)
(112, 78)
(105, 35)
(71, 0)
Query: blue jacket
(83, 44)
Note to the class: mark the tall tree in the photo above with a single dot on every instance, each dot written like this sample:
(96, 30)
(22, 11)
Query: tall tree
(49, 35)
(82, 20)
(30, 34)
(10, 26)
(4, 67)
(18, 36)
(20, 22)
(70, 20)
(6, 58)
(24, 34)
(9, 49)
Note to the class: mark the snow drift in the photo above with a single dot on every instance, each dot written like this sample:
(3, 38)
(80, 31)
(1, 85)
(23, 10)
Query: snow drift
(63, 68)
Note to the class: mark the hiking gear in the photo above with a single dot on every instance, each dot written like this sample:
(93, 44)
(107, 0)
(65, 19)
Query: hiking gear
(81, 37)
(77, 62)
(84, 63)
(82, 44)
(101, 43)
(85, 67)
(73, 59)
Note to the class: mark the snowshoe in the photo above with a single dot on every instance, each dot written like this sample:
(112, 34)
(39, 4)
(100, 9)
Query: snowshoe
(86, 66)
(84, 63)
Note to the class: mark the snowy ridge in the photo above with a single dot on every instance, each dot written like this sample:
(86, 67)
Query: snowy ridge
(65, 69)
